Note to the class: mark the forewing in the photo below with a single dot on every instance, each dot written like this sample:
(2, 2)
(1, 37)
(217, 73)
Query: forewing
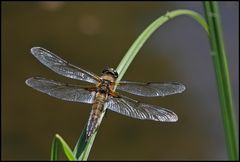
(62, 91)
(61, 66)
(135, 109)
(151, 89)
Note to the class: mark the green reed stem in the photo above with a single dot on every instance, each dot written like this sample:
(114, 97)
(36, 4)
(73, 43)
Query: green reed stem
(222, 76)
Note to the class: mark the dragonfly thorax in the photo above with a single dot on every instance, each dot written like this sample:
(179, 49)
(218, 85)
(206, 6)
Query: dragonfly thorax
(104, 86)
(103, 89)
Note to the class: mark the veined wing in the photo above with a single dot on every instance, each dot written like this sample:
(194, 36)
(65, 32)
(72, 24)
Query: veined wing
(151, 89)
(62, 91)
(135, 109)
(62, 67)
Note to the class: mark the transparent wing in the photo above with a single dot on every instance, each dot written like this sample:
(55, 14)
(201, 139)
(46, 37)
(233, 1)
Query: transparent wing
(61, 91)
(61, 66)
(135, 109)
(151, 89)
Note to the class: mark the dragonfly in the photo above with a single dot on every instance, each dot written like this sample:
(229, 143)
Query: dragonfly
(101, 91)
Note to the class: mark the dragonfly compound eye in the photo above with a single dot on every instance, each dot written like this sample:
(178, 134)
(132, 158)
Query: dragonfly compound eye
(111, 71)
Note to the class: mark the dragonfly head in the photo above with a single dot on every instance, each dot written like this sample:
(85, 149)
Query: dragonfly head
(111, 71)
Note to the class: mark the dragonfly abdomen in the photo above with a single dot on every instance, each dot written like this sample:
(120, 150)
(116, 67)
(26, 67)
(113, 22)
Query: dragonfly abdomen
(97, 109)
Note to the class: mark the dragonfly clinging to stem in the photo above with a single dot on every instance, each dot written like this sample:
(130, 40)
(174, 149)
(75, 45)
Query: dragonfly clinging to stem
(101, 91)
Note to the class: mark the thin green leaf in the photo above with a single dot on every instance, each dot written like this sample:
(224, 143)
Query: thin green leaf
(85, 154)
(88, 145)
(55, 148)
(81, 144)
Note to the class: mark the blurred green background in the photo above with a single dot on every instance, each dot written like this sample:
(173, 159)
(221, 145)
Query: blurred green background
(93, 35)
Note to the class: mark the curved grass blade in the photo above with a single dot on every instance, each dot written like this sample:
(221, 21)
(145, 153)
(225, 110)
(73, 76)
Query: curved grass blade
(84, 150)
(57, 143)
(139, 42)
